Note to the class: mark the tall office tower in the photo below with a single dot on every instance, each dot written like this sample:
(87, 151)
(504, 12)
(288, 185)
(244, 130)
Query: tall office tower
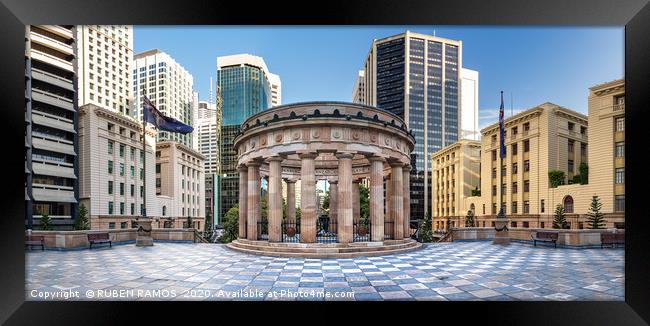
(105, 58)
(359, 88)
(246, 89)
(169, 87)
(469, 105)
(51, 143)
(416, 77)
(276, 89)
(195, 120)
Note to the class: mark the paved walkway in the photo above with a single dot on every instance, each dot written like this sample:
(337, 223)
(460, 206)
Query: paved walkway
(445, 271)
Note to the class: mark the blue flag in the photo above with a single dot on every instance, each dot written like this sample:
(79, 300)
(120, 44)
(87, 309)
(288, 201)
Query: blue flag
(160, 121)
(501, 130)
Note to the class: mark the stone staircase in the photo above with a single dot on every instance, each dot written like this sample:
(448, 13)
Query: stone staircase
(322, 250)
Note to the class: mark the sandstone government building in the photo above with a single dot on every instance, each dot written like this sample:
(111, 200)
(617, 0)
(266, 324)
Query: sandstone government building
(545, 138)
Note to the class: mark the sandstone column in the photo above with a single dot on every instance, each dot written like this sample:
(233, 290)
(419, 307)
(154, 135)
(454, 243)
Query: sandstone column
(356, 204)
(253, 204)
(344, 216)
(275, 199)
(308, 198)
(388, 217)
(406, 193)
(243, 200)
(397, 202)
(291, 201)
(377, 198)
(334, 200)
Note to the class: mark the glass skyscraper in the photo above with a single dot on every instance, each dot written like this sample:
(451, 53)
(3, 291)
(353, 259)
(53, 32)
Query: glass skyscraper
(247, 88)
(416, 76)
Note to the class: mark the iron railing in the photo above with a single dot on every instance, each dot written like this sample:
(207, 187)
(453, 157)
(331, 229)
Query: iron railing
(388, 230)
(361, 231)
(263, 230)
(291, 232)
(326, 230)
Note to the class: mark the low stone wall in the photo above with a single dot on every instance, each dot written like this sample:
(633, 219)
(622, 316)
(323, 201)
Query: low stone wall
(566, 238)
(63, 240)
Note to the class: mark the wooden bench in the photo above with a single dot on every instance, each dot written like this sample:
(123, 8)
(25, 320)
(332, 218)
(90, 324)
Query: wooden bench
(99, 238)
(35, 240)
(612, 239)
(545, 236)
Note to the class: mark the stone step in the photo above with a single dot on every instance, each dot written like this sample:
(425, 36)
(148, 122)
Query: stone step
(315, 251)
(318, 248)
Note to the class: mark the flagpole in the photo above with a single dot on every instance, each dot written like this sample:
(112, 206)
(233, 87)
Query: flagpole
(144, 165)
(500, 180)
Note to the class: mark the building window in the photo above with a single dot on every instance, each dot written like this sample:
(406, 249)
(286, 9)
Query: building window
(157, 168)
(526, 128)
(494, 172)
(570, 126)
(514, 168)
(122, 225)
(526, 207)
(121, 188)
(132, 171)
(494, 140)
(526, 165)
(132, 152)
(110, 187)
(514, 207)
(141, 191)
(541, 205)
(526, 185)
(525, 224)
(620, 175)
(111, 225)
(514, 149)
(164, 210)
(110, 147)
(483, 209)
(570, 166)
(494, 190)
(110, 208)
(122, 169)
(157, 182)
(122, 208)
(141, 173)
(620, 149)
(494, 208)
(132, 190)
(121, 150)
(514, 132)
(503, 189)
(514, 187)
(620, 124)
(526, 146)
(583, 130)
(541, 225)
(619, 203)
(570, 145)
(110, 167)
(513, 224)
(132, 208)
(568, 204)
(494, 155)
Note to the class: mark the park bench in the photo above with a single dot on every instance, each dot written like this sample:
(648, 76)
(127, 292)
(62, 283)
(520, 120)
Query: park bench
(99, 238)
(35, 240)
(545, 236)
(612, 239)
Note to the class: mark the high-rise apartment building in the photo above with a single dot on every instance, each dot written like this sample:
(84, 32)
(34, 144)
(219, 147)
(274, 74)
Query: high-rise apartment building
(418, 77)
(246, 87)
(104, 63)
(469, 105)
(276, 89)
(113, 185)
(359, 88)
(51, 142)
(169, 87)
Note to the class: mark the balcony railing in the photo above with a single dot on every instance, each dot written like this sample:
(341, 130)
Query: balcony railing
(52, 99)
(618, 107)
(52, 79)
(50, 59)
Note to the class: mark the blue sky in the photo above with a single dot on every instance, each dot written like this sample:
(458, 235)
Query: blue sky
(535, 64)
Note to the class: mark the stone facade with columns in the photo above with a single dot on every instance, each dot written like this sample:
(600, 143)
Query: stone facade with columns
(342, 143)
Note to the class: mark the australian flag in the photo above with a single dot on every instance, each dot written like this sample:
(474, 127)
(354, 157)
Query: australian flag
(160, 121)
(501, 130)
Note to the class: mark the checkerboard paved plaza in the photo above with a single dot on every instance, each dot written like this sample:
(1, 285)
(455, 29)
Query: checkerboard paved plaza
(446, 271)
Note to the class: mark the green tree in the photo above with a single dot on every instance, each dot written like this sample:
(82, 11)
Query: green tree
(230, 225)
(584, 173)
(426, 230)
(555, 178)
(476, 192)
(46, 222)
(595, 216)
(188, 222)
(208, 221)
(326, 201)
(576, 179)
(82, 218)
(264, 208)
(559, 222)
(364, 202)
(469, 218)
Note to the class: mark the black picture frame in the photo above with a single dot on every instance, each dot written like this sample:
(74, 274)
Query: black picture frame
(634, 14)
